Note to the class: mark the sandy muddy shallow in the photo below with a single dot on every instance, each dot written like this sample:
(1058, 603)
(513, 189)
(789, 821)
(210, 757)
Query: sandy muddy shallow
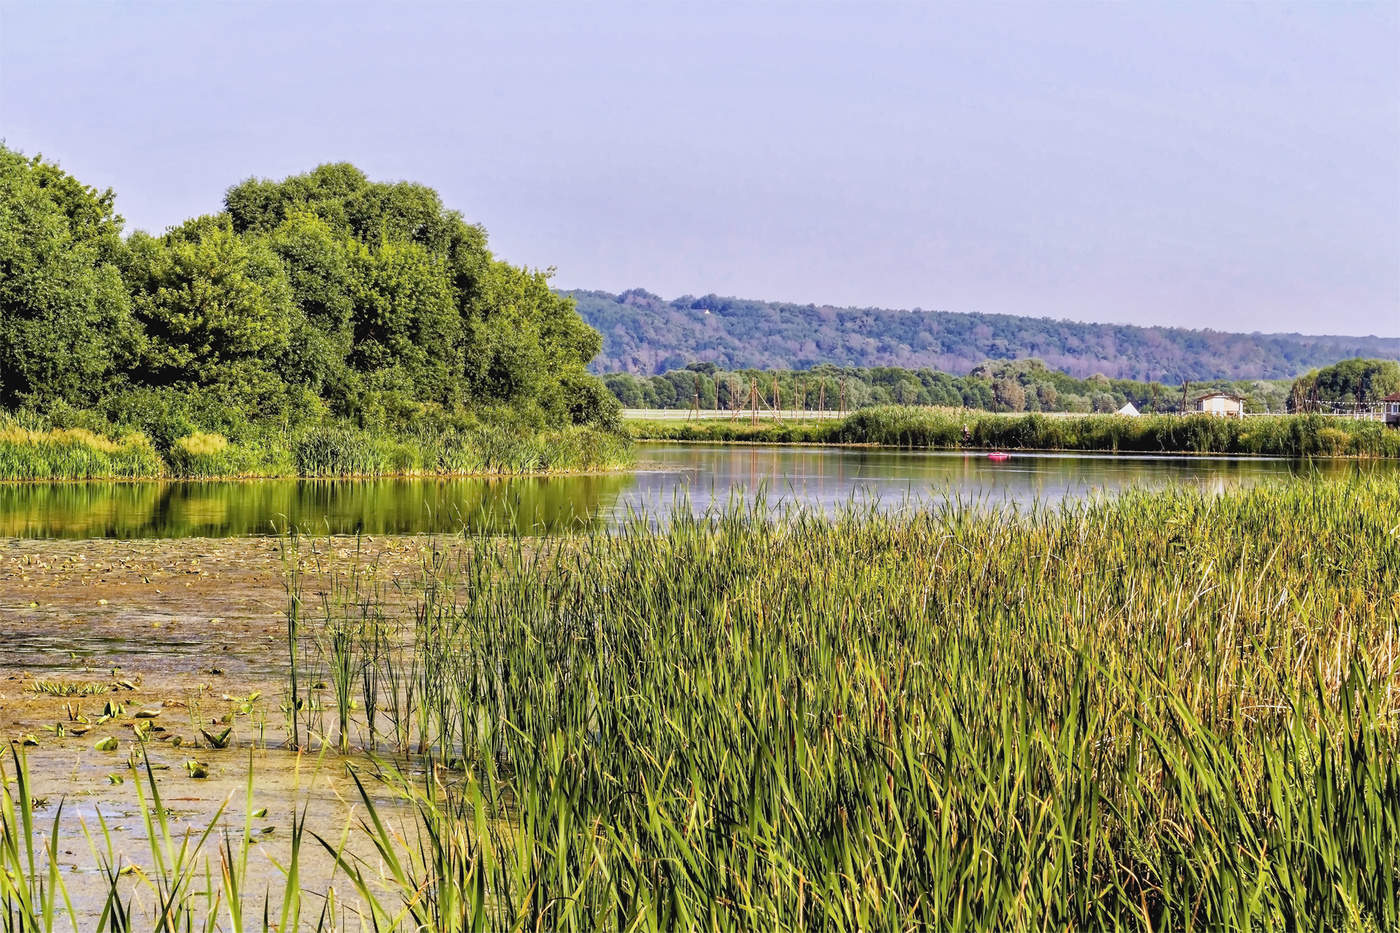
(180, 637)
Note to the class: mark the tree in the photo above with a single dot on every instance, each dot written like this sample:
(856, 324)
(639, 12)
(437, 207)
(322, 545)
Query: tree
(216, 309)
(325, 278)
(64, 312)
(406, 328)
(1009, 395)
(1354, 381)
(435, 317)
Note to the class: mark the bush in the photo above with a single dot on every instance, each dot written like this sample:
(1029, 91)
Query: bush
(205, 455)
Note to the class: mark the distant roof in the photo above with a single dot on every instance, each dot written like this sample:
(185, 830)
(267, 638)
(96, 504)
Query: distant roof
(1392, 397)
(1128, 409)
(1237, 398)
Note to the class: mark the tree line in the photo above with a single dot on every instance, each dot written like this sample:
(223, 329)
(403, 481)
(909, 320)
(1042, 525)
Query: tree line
(999, 386)
(647, 335)
(320, 297)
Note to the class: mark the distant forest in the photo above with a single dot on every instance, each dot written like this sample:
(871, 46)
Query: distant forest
(646, 334)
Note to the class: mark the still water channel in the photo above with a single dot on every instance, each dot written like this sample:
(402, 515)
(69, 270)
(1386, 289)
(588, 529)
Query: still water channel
(667, 477)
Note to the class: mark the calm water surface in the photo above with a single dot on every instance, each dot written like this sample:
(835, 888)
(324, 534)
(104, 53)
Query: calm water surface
(668, 476)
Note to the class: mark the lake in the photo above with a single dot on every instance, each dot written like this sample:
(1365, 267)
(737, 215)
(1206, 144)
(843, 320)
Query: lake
(667, 476)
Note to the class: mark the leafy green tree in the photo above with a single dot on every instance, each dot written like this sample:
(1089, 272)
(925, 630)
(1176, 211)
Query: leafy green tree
(216, 309)
(1353, 381)
(405, 323)
(1103, 402)
(64, 313)
(324, 278)
(1009, 394)
(434, 318)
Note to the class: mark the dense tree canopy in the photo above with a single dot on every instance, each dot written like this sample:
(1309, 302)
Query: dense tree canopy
(324, 294)
(64, 311)
(1003, 385)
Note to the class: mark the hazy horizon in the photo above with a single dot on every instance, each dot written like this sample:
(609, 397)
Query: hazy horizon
(1232, 167)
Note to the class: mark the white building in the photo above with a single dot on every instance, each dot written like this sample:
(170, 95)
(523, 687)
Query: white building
(1221, 403)
(1128, 409)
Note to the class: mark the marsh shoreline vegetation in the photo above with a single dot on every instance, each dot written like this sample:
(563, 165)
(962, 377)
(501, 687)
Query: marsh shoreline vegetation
(1163, 710)
(1293, 436)
(50, 453)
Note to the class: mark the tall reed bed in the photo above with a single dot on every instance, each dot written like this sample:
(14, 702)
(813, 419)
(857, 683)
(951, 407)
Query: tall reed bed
(906, 426)
(336, 450)
(1166, 711)
(73, 454)
(344, 451)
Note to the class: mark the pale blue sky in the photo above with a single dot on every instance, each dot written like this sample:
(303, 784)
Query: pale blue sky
(1227, 165)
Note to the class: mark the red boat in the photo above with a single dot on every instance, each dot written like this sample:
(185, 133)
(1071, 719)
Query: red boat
(998, 455)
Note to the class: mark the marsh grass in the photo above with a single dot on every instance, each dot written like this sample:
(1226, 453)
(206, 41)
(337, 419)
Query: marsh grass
(28, 453)
(73, 453)
(69, 688)
(1164, 711)
(907, 426)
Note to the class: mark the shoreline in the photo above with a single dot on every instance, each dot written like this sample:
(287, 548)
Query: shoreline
(1291, 437)
(1067, 451)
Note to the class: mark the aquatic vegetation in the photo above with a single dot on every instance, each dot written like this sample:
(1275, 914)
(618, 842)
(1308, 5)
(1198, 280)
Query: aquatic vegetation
(206, 454)
(325, 451)
(69, 688)
(908, 426)
(1166, 710)
(73, 453)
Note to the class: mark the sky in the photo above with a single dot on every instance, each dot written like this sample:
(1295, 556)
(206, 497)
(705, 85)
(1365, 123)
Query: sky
(1226, 165)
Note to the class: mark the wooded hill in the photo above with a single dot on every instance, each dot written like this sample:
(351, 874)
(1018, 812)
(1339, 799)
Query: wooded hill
(644, 333)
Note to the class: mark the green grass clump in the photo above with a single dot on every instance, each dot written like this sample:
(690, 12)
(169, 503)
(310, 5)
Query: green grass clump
(73, 453)
(908, 426)
(486, 449)
(206, 455)
(69, 688)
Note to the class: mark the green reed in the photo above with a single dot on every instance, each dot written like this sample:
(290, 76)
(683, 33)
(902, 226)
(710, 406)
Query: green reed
(30, 453)
(1166, 711)
(909, 426)
(73, 454)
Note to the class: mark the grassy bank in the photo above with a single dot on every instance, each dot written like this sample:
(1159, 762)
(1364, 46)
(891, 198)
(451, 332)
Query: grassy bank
(904, 426)
(73, 453)
(1167, 711)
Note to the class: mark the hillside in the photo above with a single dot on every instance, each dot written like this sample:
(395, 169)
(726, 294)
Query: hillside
(643, 333)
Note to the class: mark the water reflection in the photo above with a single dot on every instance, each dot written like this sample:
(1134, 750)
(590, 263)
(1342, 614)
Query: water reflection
(380, 506)
(829, 477)
(668, 476)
